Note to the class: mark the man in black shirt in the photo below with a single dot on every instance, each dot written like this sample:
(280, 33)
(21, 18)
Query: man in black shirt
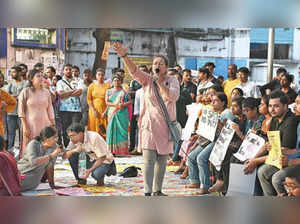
(283, 120)
(275, 83)
(187, 85)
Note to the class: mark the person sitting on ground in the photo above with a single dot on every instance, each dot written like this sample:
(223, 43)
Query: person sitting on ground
(39, 157)
(91, 143)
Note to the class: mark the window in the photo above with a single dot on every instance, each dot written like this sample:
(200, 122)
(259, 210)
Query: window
(260, 51)
(35, 37)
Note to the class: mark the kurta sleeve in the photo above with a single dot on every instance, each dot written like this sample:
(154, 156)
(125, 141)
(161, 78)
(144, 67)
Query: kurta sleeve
(10, 101)
(22, 103)
(142, 77)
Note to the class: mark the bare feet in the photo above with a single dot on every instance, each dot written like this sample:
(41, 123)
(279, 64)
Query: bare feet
(202, 192)
(180, 170)
(173, 163)
(185, 173)
(217, 187)
(192, 186)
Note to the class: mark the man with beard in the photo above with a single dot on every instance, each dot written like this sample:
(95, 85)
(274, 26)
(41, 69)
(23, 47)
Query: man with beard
(275, 83)
(84, 85)
(70, 109)
(14, 88)
(211, 67)
(24, 71)
(232, 81)
(76, 75)
(187, 85)
(271, 178)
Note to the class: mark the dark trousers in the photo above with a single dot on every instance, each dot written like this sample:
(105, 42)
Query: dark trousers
(98, 173)
(13, 121)
(133, 127)
(67, 118)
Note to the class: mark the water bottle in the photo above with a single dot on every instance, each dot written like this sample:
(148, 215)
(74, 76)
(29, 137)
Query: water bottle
(81, 164)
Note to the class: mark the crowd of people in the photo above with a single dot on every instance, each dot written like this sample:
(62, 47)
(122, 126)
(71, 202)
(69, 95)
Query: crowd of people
(69, 113)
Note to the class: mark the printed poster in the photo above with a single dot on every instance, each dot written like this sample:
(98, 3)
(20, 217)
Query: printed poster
(220, 148)
(275, 152)
(250, 146)
(193, 114)
(208, 124)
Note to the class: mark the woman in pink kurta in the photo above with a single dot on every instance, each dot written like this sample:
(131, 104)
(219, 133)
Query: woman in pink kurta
(34, 109)
(153, 129)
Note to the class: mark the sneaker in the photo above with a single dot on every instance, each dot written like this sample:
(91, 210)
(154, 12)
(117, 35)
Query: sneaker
(159, 193)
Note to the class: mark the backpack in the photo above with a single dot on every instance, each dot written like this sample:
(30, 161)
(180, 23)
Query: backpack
(131, 171)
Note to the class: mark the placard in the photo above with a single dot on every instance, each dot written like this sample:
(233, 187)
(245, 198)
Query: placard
(208, 124)
(193, 114)
(275, 152)
(220, 148)
(250, 146)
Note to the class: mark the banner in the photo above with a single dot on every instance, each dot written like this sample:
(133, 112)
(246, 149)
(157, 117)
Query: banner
(220, 148)
(250, 146)
(105, 50)
(208, 124)
(193, 114)
(275, 152)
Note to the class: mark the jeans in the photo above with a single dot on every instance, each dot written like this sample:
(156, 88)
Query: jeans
(198, 166)
(98, 173)
(271, 180)
(12, 122)
(177, 146)
(67, 118)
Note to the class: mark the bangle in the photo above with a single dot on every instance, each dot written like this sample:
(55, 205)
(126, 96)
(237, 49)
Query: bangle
(123, 56)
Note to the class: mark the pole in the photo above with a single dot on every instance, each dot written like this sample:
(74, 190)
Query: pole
(270, 54)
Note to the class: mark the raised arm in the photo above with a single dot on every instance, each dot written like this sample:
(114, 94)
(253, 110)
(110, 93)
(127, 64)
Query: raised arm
(142, 77)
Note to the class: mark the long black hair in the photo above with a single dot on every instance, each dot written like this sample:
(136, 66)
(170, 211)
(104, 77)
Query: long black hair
(46, 133)
(31, 75)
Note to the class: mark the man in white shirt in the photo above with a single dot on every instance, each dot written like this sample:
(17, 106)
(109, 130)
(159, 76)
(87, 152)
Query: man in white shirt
(249, 88)
(100, 161)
